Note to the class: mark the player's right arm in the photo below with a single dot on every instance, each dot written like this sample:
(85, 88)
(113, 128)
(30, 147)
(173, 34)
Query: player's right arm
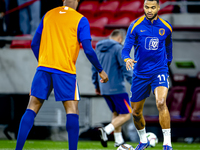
(169, 49)
(85, 38)
(128, 44)
(35, 44)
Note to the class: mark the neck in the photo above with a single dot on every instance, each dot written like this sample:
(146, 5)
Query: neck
(156, 17)
(117, 39)
(112, 38)
(69, 3)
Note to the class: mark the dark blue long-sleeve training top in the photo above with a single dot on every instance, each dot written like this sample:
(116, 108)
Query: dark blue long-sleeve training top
(152, 44)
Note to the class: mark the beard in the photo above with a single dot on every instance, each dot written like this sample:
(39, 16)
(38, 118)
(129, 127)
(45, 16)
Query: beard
(151, 17)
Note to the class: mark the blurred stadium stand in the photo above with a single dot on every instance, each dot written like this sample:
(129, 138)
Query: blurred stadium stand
(166, 9)
(18, 65)
(176, 99)
(88, 8)
(195, 116)
(21, 43)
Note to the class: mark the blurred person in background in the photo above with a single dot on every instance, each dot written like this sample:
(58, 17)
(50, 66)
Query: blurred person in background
(2, 11)
(29, 16)
(12, 19)
(114, 91)
(151, 37)
(56, 46)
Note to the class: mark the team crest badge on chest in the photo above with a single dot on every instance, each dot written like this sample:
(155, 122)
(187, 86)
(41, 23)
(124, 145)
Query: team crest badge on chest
(151, 43)
(161, 31)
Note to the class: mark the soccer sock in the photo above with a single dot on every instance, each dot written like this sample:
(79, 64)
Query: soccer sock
(167, 137)
(72, 126)
(109, 128)
(118, 138)
(25, 127)
(142, 135)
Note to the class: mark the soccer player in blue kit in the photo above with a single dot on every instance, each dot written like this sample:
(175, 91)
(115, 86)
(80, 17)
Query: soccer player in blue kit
(151, 37)
(114, 91)
(56, 46)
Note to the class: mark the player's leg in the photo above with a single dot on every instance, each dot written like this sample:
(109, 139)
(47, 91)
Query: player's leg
(117, 132)
(41, 87)
(72, 123)
(66, 90)
(139, 122)
(115, 126)
(160, 87)
(140, 91)
(118, 128)
(115, 115)
(35, 104)
(109, 128)
(27, 121)
(116, 123)
(120, 120)
(164, 116)
(138, 119)
(119, 104)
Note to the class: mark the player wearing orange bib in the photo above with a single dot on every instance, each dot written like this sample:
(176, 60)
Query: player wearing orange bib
(56, 47)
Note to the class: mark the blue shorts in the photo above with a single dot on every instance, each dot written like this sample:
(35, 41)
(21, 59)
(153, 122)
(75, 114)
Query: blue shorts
(141, 88)
(119, 103)
(65, 86)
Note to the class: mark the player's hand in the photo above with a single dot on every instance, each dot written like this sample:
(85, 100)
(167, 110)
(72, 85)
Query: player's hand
(169, 63)
(129, 64)
(97, 91)
(104, 77)
(1, 14)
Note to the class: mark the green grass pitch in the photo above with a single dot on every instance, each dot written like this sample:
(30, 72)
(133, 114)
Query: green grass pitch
(84, 145)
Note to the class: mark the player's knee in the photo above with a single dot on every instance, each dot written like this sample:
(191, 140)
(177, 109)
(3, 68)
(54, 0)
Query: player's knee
(137, 113)
(161, 104)
(71, 107)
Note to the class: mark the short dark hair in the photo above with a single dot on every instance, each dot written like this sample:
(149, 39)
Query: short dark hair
(152, 0)
(117, 32)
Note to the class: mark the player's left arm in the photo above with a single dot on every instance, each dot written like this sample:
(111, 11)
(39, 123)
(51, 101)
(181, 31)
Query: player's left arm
(85, 38)
(95, 80)
(168, 44)
(95, 77)
(35, 44)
